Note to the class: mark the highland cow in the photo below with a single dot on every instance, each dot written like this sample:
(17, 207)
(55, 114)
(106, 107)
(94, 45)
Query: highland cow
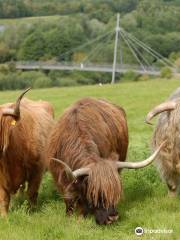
(168, 128)
(87, 147)
(24, 129)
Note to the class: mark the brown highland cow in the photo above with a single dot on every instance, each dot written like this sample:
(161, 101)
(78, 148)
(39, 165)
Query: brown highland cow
(168, 128)
(91, 141)
(24, 128)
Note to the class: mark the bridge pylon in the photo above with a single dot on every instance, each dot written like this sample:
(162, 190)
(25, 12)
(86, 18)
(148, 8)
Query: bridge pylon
(117, 36)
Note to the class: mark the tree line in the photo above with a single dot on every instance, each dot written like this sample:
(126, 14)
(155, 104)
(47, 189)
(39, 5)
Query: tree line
(154, 22)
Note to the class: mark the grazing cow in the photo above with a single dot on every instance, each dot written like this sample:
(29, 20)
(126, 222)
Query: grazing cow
(168, 128)
(24, 129)
(86, 148)
(39, 104)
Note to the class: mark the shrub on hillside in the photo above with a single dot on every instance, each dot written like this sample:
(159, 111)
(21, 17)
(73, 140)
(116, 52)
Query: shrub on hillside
(86, 81)
(4, 69)
(143, 77)
(9, 81)
(5, 53)
(34, 79)
(166, 72)
(21, 80)
(42, 82)
(66, 82)
(130, 76)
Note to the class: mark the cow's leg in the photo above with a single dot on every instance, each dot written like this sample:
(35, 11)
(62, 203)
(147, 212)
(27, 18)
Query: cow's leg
(4, 202)
(34, 181)
(172, 187)
(169, 177)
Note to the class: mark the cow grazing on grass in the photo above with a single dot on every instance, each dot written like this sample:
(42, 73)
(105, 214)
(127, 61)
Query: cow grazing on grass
(91, 140)
(168, 128)
(39, 104)
(24, 129)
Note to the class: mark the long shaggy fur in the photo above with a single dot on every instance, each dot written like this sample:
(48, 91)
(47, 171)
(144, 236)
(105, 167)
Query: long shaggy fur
(22, 145)
(87, 134)
(168, 128)
(103, 190)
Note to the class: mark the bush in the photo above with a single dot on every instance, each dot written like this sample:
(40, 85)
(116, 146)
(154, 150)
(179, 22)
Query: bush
(11, 66)
(21, 80)
(166, 72)
(143, 77)
(4, 69)
(29, 78)
(42, 82)
(9, 81)
(130, 76)
(5, 53)
(37, 79)
(85, 81)
(66, 82)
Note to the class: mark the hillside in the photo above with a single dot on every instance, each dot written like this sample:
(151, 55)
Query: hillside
(155, 22)
(58, 30)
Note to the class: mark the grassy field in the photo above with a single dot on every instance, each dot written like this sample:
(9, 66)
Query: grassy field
(145, 202)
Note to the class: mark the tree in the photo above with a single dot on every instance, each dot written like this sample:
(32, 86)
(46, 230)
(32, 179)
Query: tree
(5, 53)
(33, 47)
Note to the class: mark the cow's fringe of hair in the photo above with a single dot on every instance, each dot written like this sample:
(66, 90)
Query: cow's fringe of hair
(103, 184)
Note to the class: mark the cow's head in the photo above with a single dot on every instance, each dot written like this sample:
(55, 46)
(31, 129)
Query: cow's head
(97, 188)
(9, 116)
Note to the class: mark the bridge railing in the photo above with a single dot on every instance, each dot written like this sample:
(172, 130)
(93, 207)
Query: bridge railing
(43, 64)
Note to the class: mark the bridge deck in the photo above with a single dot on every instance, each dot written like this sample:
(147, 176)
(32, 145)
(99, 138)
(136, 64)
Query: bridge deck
(83, 67)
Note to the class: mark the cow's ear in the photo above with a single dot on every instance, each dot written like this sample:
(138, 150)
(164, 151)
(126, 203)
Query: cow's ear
(13, 122)
(8, 121)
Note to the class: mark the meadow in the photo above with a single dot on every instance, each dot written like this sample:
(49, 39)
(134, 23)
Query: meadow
(145, 202)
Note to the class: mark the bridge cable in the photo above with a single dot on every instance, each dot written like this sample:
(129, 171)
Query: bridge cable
(138, 52)
(133, 52)
(148, 49)
(85, 44)
(98, 48)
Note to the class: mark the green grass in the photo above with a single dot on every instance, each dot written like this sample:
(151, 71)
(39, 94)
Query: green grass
(145, 202)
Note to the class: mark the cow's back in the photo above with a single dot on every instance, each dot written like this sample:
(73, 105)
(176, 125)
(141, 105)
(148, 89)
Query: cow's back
(89, 127)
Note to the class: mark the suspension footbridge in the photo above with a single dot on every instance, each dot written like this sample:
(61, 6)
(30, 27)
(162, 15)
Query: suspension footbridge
(85, 67)
(137, 48)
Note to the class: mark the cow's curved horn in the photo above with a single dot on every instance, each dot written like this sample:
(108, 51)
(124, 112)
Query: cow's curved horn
(166, 106)
(73, 174)
(81, 172)
(67, 169)
(136, 165)
(16, 111)
(18, 101)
